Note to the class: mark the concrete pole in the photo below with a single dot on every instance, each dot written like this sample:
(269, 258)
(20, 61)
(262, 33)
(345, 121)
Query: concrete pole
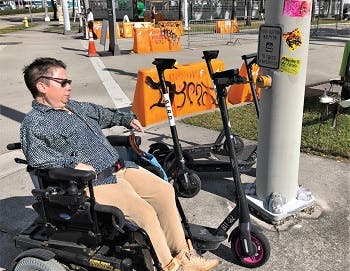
(80, 17)
(185, 14)
(280, 121)
(65, 11)
(44, 3)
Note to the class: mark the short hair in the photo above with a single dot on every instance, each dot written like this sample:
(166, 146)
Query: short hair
(40, 67)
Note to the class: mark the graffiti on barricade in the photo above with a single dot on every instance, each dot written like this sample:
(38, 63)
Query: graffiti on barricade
(189, 93)
(170, 35)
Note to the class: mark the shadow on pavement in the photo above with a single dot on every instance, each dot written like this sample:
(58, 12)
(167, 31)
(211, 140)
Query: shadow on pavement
(11, 113)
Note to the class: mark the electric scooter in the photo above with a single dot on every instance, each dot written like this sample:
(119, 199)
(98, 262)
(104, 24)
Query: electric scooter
(215, 154)
(187, 183)
(249, 245)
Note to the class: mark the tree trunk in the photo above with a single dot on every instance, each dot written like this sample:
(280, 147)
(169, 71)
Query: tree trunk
(54, 7)
(249, 4)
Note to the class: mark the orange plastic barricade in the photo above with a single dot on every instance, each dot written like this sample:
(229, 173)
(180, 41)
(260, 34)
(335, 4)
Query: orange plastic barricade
(158, 42)
(234, 26)
(191, 90)
(128, 30)
(141, 41)
(98, 29)
(241, 93)
(226, 26)
(143, 25)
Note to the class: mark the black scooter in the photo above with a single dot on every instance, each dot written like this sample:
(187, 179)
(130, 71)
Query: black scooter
(249, 245)
(187, 184)
(215, 154)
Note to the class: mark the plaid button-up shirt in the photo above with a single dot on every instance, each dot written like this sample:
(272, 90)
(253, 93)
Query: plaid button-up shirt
(59, 138)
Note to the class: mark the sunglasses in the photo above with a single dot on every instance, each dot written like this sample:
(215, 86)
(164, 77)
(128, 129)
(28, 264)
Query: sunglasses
(61, 81)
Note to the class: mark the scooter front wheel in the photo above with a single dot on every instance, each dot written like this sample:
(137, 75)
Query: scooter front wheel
(193, 187)
(260, 244)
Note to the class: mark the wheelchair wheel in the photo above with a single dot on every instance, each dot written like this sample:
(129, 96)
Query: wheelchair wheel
(35, 264)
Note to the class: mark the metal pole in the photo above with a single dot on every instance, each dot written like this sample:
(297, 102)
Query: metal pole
(277, 191)
(65, 11)
(113, 44)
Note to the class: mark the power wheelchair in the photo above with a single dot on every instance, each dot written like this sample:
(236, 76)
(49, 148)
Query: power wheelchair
(74, 232)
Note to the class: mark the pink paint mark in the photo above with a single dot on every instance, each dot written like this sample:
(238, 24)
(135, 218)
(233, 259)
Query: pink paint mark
(296, 8)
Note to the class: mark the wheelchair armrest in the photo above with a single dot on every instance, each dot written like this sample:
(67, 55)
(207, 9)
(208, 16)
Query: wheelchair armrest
(67, 174)
(14, 146)
(118, 140)
(118, 218)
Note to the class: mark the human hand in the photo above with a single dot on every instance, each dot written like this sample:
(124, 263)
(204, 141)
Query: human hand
(135, 124)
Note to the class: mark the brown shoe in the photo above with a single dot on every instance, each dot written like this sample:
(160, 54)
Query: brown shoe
(190, 259)
(175, 265)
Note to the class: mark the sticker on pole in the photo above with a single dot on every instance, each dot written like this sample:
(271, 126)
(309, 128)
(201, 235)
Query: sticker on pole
(269, 46)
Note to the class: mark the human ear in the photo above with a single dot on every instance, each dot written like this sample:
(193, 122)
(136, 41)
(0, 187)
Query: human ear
(41, 87)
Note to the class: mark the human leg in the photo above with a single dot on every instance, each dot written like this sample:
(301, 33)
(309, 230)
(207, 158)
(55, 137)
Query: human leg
(122, 195)
(161, 196)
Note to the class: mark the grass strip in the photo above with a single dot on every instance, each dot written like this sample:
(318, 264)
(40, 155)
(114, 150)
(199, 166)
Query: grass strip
(317, 137)
(15, 28)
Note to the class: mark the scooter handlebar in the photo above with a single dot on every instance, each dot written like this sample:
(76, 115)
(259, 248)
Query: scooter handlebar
(164, 63)
(249, 56)
(209, 55)
(228, 77)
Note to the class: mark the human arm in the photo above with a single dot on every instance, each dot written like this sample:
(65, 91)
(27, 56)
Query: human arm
(108, 117)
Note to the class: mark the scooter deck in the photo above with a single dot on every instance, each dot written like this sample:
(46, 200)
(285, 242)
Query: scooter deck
(204, 238)
(218, 163)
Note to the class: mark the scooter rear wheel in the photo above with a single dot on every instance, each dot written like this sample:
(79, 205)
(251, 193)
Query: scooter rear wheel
(159, 151)
(238, 144)
(260, 244)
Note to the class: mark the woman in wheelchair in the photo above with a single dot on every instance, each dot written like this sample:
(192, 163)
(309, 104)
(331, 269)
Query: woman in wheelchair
(63, 133)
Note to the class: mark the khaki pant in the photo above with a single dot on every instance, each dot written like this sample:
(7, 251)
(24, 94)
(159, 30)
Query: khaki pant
(149, 202)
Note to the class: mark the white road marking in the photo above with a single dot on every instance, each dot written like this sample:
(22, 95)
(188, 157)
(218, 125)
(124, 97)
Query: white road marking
(117, 95)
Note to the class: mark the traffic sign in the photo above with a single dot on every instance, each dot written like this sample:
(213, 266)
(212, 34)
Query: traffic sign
(269, 46)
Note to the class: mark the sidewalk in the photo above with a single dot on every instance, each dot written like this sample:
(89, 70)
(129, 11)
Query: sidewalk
(317, 241)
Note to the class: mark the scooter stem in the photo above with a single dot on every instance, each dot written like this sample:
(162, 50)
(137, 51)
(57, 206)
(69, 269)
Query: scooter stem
(163, 64)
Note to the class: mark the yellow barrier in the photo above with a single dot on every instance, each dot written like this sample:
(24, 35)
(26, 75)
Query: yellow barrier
(226, 26)
(98, 29)
(191, 90)
(242, 93)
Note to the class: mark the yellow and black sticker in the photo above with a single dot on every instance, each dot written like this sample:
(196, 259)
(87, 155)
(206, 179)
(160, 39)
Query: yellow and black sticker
(102, 265)
(293, 39)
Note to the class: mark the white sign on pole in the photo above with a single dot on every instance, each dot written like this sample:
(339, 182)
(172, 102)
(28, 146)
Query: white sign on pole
(269, 46)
